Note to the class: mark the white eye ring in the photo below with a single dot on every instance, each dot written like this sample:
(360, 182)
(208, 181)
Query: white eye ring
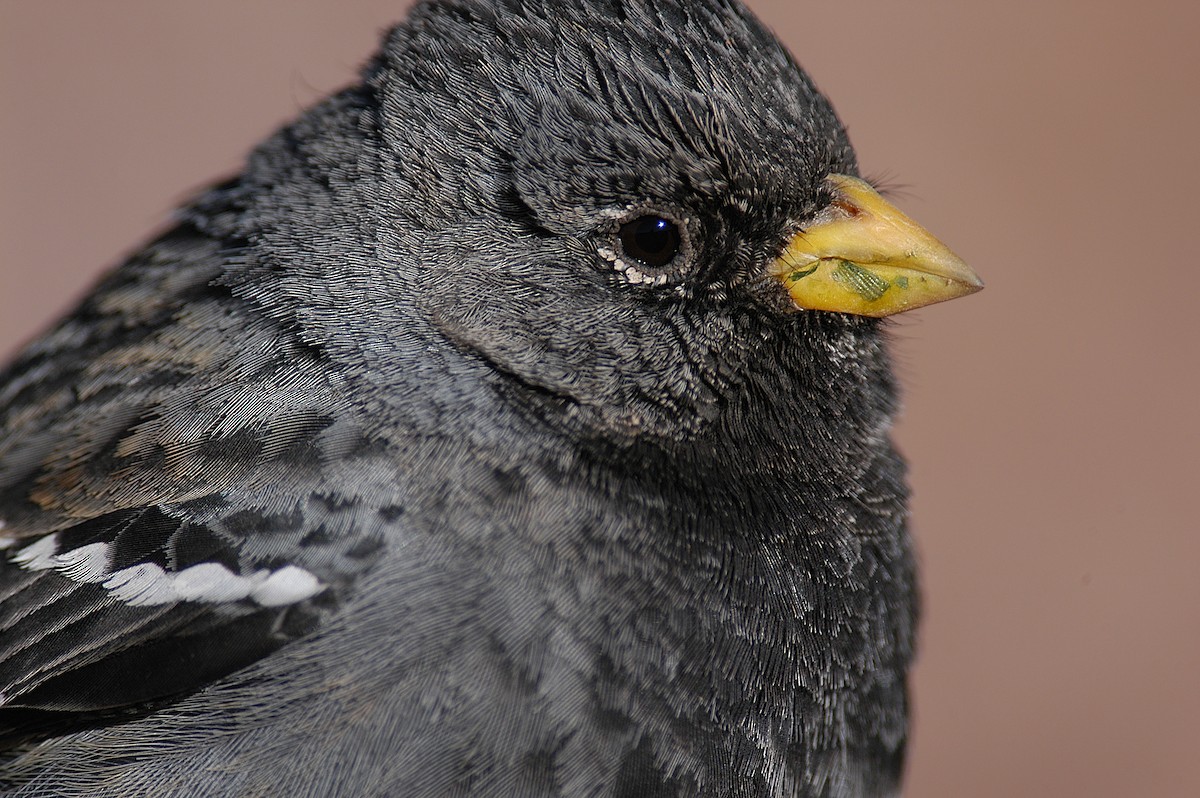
(648, 246)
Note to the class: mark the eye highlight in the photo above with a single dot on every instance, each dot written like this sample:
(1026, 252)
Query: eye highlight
(650, 239)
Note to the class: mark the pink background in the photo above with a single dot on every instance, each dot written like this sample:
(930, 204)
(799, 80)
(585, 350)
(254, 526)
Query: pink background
(1051, 420)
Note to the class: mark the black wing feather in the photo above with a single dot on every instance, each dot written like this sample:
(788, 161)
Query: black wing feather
(146, 548)
(80, 651)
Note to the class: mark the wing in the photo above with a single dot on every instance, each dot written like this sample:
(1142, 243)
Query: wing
(123, 611)
(180, 494)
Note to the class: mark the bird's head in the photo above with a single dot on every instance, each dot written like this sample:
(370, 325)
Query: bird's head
(639, 211)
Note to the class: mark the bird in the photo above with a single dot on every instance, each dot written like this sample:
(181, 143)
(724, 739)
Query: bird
(515, 423)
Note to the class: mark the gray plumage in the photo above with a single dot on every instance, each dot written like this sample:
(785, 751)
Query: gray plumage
(538, 526)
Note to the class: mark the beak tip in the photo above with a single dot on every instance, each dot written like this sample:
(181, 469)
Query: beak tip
(974, 283)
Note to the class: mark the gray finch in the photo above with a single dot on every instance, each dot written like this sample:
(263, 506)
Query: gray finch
(515, 424)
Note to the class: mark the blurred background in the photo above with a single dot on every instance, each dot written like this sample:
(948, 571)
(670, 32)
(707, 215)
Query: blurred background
(1051, 421)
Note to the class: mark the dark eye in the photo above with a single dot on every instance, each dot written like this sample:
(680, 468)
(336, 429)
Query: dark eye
(651, 239)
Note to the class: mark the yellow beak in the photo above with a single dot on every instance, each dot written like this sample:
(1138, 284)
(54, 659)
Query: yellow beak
(864, 256)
